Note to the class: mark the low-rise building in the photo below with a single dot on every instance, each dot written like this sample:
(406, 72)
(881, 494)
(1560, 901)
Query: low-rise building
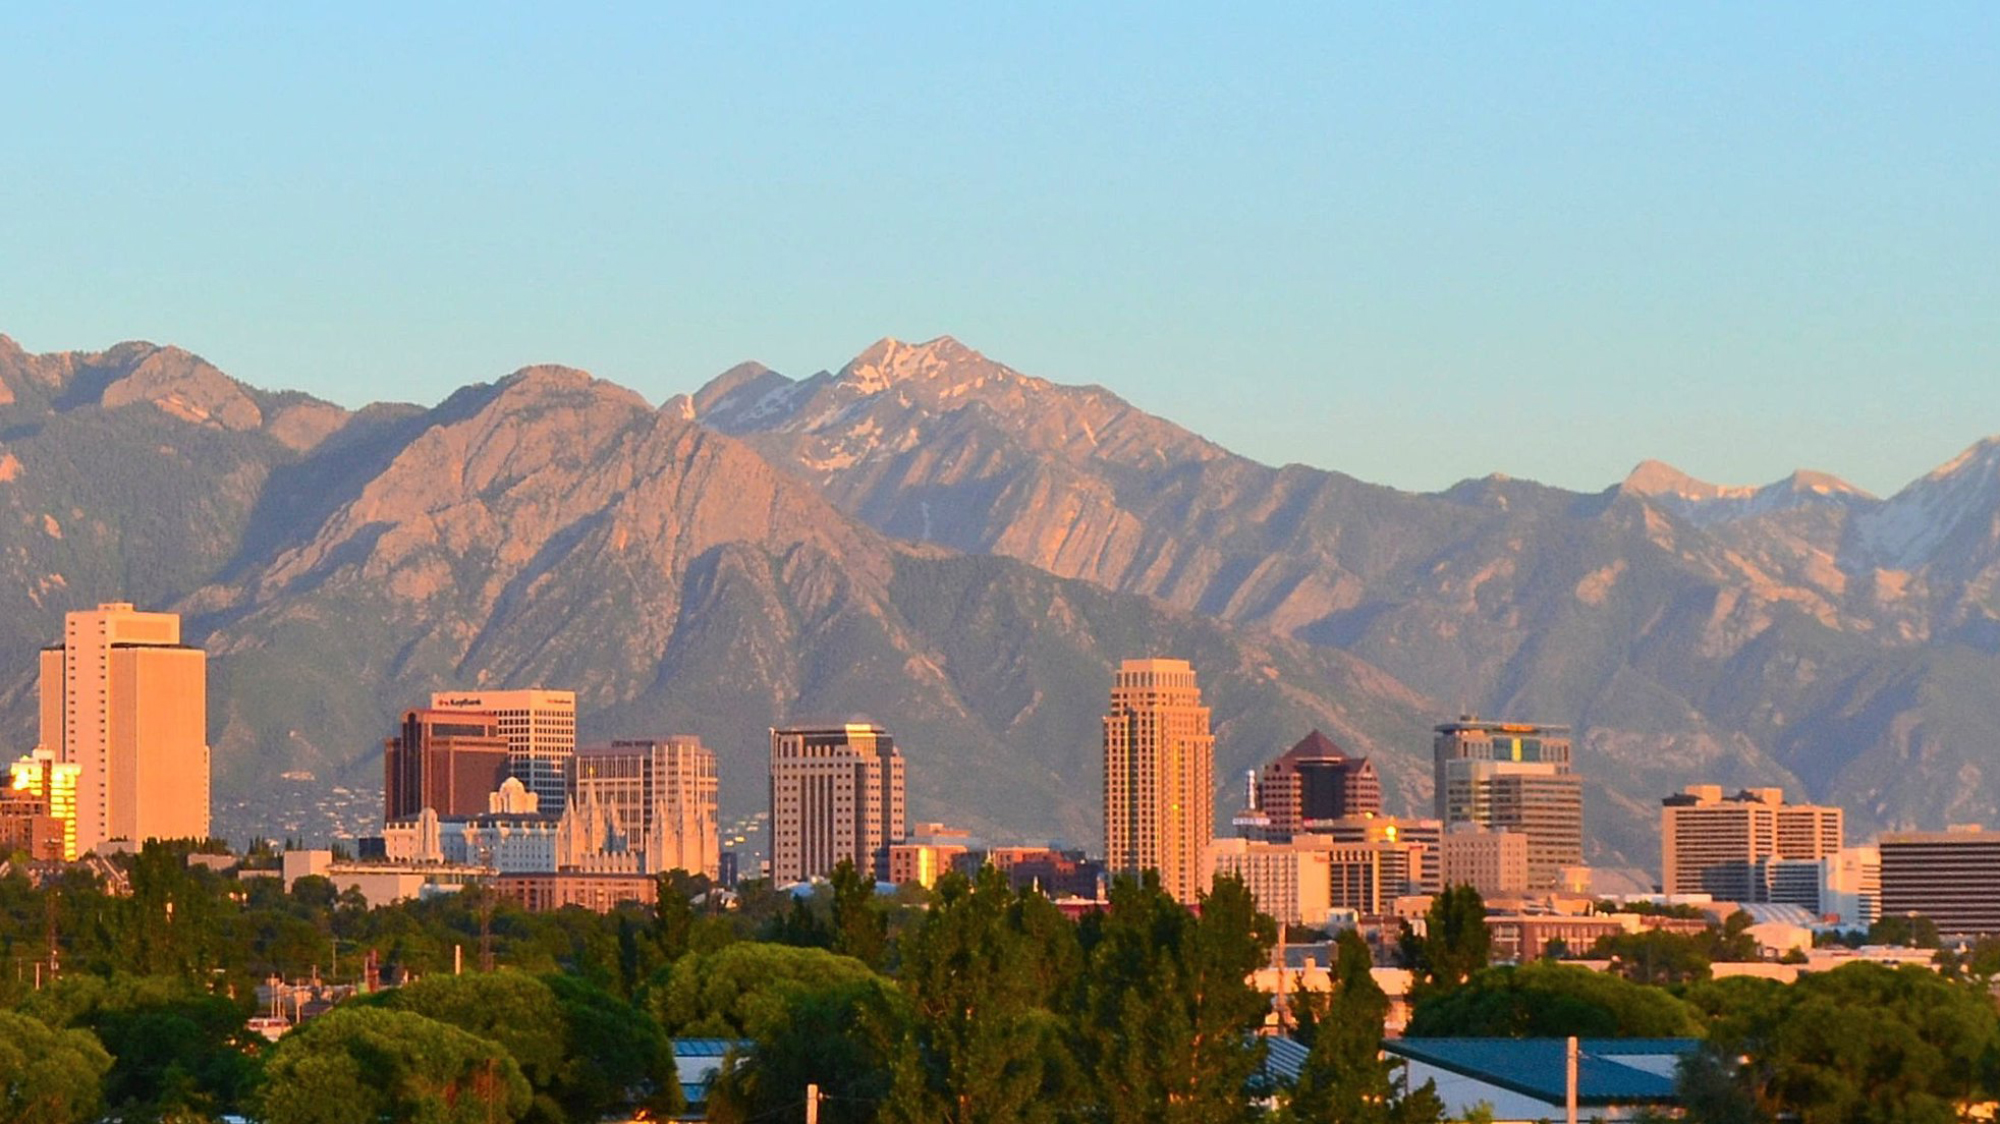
(930, 851)
(597, 892)
(1527, 1079)
(1493, 861)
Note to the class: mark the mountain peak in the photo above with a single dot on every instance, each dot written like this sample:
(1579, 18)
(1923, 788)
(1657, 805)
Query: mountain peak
(889, 361)
(556, 380)
(1807, 480)
(1980, 452)
(184, 385)
(1658, 478)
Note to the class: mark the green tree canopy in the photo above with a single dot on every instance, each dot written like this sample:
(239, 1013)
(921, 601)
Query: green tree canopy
(1861, 1043)
(1544, 999)
(838, 1032)
(175, 1046)
(735, 991)
(1345, 1078)
(363, 1065)
(1166, 1030)
(48, 1076)
(980, 1046)
(1454, 945)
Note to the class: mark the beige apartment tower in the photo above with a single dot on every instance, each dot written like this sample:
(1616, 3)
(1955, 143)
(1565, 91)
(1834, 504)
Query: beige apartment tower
(836, 793)
(1713, 844)
(540, 727)
(1159, 776)
(661, 792)
(126, 702)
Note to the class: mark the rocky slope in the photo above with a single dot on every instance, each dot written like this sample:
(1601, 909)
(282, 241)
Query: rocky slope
(1804, 632)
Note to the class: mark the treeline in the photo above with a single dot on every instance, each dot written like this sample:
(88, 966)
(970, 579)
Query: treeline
(968, 1003)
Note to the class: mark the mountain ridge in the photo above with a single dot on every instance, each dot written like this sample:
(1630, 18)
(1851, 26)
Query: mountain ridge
(965, 551)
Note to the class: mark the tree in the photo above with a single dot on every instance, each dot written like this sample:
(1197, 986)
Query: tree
(837, 1034)
(511, 1009)
(737, 990)
(613, 1055)
(1344, 1077)
(1655, 956)
(979, 1046)
(1167, 1025)
(1860, 1043)
(48, 1076)
(360, 1065)
(860, 926)
(1455, 942)
(174, 1046)
(1911, 930)
(1544, 999)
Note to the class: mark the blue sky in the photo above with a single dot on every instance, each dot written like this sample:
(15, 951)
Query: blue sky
(1412, 243)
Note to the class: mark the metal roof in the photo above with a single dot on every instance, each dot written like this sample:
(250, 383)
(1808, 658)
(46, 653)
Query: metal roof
(709, 1047)
(1609, 1070)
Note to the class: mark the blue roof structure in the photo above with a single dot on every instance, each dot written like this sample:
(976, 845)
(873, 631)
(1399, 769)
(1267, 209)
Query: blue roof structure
(1284, 1057)
(1609, 1071)
(698, 1060)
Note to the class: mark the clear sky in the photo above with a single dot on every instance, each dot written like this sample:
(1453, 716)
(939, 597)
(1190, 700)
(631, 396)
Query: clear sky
(1413, 243)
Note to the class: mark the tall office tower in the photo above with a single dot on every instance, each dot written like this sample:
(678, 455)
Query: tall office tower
(1513, 776)
(1723, 845)
(449, 761)
(661, 792)
(540, 728)
(127, 703)
(1316, 780)
(40, 778)
(1159, 776)
(1951, 877)
(836, 793)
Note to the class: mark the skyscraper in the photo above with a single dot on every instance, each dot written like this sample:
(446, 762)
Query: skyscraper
(1713, 844)
(836, 793)
(540, 728)
(1159, 775)
(1316, 780)
(449, 761)
(127, 703)
(1513, 776)
(662, 794)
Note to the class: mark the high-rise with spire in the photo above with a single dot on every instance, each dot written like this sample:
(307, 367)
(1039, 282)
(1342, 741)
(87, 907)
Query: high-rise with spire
(1159, 775)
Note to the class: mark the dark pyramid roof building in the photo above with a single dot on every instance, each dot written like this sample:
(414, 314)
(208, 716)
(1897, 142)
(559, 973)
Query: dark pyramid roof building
(1316, 780)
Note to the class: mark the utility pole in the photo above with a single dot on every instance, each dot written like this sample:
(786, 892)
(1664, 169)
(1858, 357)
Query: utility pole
(812, 1103)
(486, 892)
(1569, 1067)
(49, 899)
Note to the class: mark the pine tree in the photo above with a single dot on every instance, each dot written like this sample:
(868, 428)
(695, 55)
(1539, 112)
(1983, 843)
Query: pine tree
(1168, 1025)
(1345, 1079)
(979, 1044)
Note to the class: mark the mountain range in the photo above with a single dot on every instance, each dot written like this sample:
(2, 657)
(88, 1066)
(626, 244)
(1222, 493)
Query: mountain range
(963, 552)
